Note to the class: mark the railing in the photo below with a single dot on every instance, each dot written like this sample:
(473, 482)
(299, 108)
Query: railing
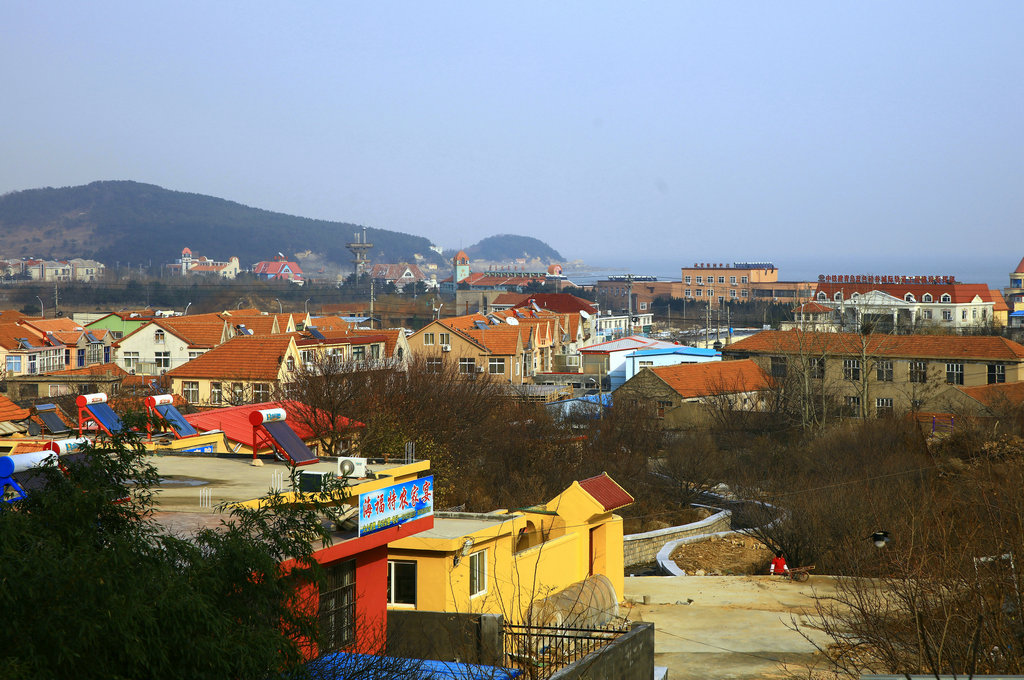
(540, 651)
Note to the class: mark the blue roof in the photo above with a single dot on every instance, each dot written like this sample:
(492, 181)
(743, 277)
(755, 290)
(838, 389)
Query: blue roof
(1019, 312)
(604, 399)
(682, 349)
(389, 667)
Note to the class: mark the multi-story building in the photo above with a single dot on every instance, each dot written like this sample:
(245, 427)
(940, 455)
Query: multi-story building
(742, 281)
(1014, 293)
(242, 370)
(896, 302)
(877, 374)
(631, 294)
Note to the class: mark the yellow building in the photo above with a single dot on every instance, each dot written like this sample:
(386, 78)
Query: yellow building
(509, 563)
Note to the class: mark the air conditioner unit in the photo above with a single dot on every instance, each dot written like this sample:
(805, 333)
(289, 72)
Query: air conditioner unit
(479, 369)
(446, 348)
(351, 467)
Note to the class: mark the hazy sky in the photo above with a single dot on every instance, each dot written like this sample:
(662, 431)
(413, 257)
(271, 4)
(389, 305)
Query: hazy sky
(678, 131)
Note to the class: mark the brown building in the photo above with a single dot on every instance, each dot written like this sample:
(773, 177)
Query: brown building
(742, 281)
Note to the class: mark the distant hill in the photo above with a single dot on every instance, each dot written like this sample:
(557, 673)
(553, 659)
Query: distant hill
(132, 222)
(505, 247)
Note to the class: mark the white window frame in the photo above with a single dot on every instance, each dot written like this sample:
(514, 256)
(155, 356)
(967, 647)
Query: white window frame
(190, 391)
(391, 583)
(478, 569)
(428, 338)
(496, 365)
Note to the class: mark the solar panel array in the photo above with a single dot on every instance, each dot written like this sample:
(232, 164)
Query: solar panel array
(173, 416)
(106, 417)
(294, 449)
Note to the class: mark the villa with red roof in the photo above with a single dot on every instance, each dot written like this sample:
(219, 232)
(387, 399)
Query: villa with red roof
(243, 370)
(279, 269)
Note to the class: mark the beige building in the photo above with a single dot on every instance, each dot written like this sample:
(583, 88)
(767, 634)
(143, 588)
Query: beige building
(742, 281)
(242, 370)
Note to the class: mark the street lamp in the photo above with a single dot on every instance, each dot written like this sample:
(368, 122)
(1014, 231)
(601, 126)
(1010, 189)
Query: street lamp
(186, 308)
(307, 306)
(42, 312)
(280, 310)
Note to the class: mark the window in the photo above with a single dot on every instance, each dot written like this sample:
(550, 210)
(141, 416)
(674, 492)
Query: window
(883, 407)
(699, 292)
(467, 365)
(732, 280)
(163, 359)
(662, 405)
(743, 279)
(947, 315)
(428, 338)
(918, 371)
(190, 391)
(721, 279)
(927, 297)
(838, 297)
(732, 293)
(643, 305)
(645, 364)
(445, 338)
(158, 337)
(237, 392)
(853, 406)
(884, 370)
(817, 368)
(928, 314)
(260, 392)
(963, 315)
(778, 367)
(375, 352)
(338, 607)
(32, 363)
(711, 292)
(687, 293)
(216, 393)
(700, 280)
(996, 374)
(496, 366)
(955, 374)
(743, 293)
(572, 359)
(131, 361)
(945, 298)
(909, 297)
(821, 295)
(478, 573)
(433, 365)
(290, 364)
(13, 364)
(851, 369)
(688, 281)
(81, 357)
(401, 582)
(194, 355)
(358, 353)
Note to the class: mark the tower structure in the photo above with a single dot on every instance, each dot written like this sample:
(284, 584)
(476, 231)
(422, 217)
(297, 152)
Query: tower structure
(461, 264)
(359, 249)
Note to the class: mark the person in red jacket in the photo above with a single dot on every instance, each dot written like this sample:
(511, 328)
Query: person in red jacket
(778, 565)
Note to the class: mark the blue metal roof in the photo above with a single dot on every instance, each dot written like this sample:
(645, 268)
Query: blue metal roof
(1019, 312)
(681, 349)
(387, 667)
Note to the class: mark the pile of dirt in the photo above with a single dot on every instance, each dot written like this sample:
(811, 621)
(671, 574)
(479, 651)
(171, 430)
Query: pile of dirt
(723, 556)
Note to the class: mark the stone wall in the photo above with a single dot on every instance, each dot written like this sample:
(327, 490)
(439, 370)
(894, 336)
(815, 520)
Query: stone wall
(643, 548)
(630, 657)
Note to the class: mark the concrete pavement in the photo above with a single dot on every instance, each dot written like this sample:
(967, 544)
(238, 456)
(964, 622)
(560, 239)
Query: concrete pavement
(736, 627)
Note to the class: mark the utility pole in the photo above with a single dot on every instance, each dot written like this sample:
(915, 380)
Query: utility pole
(707, 325)
(56, 299)
(371, 302)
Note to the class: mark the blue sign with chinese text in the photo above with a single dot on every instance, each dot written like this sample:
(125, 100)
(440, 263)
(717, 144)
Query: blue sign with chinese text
(396, 504)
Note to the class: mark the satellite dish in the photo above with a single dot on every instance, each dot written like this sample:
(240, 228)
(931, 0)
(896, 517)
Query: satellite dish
(347, 468)
(585, 314)
(512, 321)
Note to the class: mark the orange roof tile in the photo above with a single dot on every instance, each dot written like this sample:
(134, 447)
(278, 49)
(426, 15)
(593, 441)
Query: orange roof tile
(197, 332)
(10, 332)
(497, 339)
(110, 369)
(998, 395)
(52, 325)
(713, 377)
(999, 303)
(241, 358)
(390, 337)
(11, 411)
(812, 308)
(1020, 267)
(14, 316)
(958, 292)
(909, 346)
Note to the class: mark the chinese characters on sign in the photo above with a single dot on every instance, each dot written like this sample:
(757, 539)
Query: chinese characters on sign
(874, 278)
(395, 505)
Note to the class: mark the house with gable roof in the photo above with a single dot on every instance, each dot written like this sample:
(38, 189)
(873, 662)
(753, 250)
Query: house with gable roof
(279, 269)
(680, 395)
(499, 350)
(244, 369)
(165, 344)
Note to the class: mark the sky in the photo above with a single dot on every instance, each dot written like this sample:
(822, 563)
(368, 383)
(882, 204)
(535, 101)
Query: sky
(879, 136)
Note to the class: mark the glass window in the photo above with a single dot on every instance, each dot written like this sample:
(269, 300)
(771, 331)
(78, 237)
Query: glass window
(13, 364)
(428, 338)
(478, 573)
(158, 337)
(851, 369)
(927, 297)
(853, 406)
(743, 279)
(216, 393)
(778, 367)
(700, 292)
(662, 405)
(401, 582)
(700, 280)
(732, 280)
(260, 392)
(445, 338)
(338, 606)
(817, 368)
(883, 406)
(955, 373)
(131, 361)
(467, 365)
(918, 371)
(687, 293)
(946, 298)
(163, 359)
(721, 279)
(884, 370)
(996, 374)
(190, 391)
(358, 353)
(688, 281)
(496, 366)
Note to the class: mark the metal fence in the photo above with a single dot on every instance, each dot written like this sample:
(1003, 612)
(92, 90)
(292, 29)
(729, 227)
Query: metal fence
(540, 651)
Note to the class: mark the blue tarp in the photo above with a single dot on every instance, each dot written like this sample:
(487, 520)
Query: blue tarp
(389, 667)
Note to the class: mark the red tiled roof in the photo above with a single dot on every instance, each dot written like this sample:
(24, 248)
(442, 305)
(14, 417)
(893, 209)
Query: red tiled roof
(909, 346)
(999, 303)
(998, 395)
(607, 492)
(14, 316)
(241, 358)
(199, 333)
(1020, 267)
(11, 411)
(812, 308)
(562, 303)
(110, 369)
(390, 338)
(10, 332)
(395, 272)
(713, 377)
(959, 293)
(234, 420)
(497, 339)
